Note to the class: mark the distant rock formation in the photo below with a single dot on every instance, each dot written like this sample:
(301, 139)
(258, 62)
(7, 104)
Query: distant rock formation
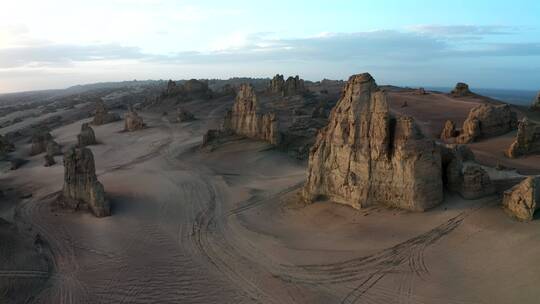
(486, 121)
(133, 121)
(365, 157)
(292, 86)
(192, 88)
(247, 119)
(523, 199)
(527, 139)
(42, 141)
(87, 136)
(536, 103)
(49, 160)
(183, 115)
(462, 174)
(81, 187)
(5, 147)
(449, 130)
(102, 115)
(461, 90)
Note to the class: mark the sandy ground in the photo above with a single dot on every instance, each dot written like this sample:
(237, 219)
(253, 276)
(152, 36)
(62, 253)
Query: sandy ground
(227, 227)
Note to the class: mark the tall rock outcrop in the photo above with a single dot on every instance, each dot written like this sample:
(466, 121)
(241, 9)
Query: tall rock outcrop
(290, 87)
(536, 103)
(365, 157)
(461, 90)
(42, 141)
(523, 199)
(527, 139)
(102, 115)
(81, 187)
(247, 119)
(133, 121)
(449, 130)
(486, 121)
(87, 136)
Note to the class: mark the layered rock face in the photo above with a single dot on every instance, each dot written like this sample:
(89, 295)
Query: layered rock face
(246, 119)
(87, 136)
(462, 174)
(527, 139)
(81, 187)
(365, 157)
(133, 121)
(536, 103)
(523, 199)
(486, 121)
(449, 130)
(102, 115)
(291, 86)
(182, 115)
(461, 90)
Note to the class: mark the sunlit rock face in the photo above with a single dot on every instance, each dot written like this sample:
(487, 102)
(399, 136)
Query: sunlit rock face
(486, 121)
(527, 139)
(132, 121)
(522, 200)
(364, 156)
(291, 86)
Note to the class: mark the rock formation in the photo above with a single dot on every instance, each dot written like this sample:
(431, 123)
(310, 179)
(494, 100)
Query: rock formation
(461, 90)
(486, 121)
(42, 141)
(53, 148)
(49, 160)
(87, 136)
(292, 86)
(449, 130)
(536, 103)
(523, 199)
(246, 118)
(5, 147)
(81, 187)
(462, 174)
(527, 139)
(192, 88)
(133, 121)
(365, 157)
(182, 115)
(102, 115)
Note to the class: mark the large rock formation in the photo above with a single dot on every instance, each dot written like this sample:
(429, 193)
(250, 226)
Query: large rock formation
(486, 121)
(81, 187)
(42, 141)
(527, 139)
(133, 121)
(53, 148)
(87, 136)
(102, 115)
(365, 157)
(461, 90)
(247, 119)
(523, 199)
(462, 174)
(536, 103)
(292, 86)
(449, 130)
(183, 115)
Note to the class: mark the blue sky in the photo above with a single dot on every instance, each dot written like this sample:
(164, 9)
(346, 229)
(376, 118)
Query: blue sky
(58, 43)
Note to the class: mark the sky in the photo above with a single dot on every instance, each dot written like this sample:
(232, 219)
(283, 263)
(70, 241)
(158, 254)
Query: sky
(59, 43)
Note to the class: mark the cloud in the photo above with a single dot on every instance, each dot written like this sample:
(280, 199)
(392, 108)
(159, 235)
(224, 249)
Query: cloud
(462, 30)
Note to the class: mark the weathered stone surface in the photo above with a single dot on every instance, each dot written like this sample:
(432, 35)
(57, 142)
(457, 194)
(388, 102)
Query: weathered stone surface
(522, 200)
(102, 115)
(365, 157)
(183, 115)
(527, 139)
(461, 90)
(87, 136)
(246, 119)
(449, 130)
(536, 103)
(39, 142)
(486, 121)
(81, 187)
(462, 174)
(291, 86)
(133, 121)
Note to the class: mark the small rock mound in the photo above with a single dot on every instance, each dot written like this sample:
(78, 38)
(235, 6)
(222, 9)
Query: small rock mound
(87, 136)
(522, 200)
(449, 131)
(486, 121)
(182, 115)
(461, 90)
(102, 115)
(81, 187)
(133, 121)
(527, 139)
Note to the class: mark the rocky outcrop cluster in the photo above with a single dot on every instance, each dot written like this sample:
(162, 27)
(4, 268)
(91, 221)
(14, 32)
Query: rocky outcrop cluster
(87, 136)
(246, 118)
(133, 121)
(536, 103)
(449, 130)
(192, 88)
(461, 90)
(291, 86)
(527, 139)
(523, 199)
(486, 121)
(102, 115)
(42, 141)
(81, 187)
(364, 156)
(183, 115)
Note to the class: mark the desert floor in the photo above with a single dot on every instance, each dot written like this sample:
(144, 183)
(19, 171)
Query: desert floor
(227, 226)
